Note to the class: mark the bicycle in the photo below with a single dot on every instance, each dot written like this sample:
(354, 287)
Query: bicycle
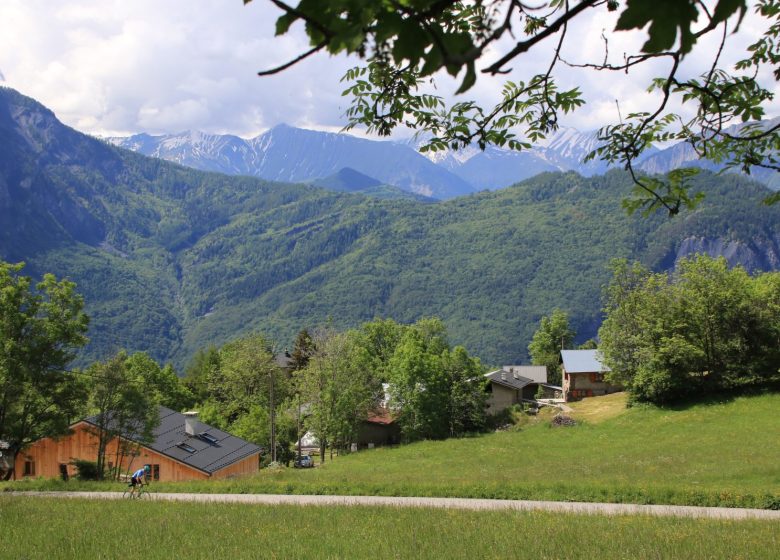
(140, 494)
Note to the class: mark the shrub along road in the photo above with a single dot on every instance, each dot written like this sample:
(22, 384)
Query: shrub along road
(441, 503)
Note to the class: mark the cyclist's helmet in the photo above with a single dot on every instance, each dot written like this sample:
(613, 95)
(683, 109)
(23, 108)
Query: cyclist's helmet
(147, 469)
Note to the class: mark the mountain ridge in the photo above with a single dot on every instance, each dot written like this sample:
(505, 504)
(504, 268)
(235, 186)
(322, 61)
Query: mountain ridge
(170, 259)
(289, 154)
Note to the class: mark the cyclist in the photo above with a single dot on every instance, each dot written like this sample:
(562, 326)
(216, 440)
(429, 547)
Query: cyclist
(139, 478)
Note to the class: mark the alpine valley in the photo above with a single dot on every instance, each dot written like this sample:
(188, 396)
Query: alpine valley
(170, 259)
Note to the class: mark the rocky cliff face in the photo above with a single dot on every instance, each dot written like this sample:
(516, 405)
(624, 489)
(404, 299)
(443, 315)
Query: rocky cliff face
(757, 254)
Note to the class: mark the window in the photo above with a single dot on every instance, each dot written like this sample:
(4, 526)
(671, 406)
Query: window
(186, 447)
(155, 472)
(208, 438)
(29, 467)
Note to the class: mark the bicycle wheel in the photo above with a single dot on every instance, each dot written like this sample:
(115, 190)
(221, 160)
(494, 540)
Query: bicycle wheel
(127, 494)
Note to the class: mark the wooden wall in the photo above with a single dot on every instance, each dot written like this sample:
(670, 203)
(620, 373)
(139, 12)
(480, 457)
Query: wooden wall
(48, 454)
(245, 466)
(580, 385)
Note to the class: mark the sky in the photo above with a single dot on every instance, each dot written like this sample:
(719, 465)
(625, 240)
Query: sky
(112, 67)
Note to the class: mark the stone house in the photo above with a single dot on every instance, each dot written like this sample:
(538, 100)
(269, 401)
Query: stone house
(511, 384)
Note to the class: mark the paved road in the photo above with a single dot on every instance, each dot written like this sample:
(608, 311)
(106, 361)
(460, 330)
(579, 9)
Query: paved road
(457, 503)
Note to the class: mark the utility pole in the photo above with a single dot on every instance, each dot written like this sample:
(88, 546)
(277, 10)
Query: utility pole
(298, 429)
(273, 418)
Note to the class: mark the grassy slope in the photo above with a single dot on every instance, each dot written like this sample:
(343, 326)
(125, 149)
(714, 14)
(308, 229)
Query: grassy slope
(719, 454)
(93, 529)
(598, 409)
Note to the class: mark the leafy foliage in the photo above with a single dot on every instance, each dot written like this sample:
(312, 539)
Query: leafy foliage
(404, 46)
(41, 328)
(124, 409)
(705, 329)
(86, 470)
(553, 335)
(435, 392)
(339, 387)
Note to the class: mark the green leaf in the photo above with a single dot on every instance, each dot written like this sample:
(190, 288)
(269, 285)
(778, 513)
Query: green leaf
(283, 23)
(468, 80)
(726, 8)
(665, 18)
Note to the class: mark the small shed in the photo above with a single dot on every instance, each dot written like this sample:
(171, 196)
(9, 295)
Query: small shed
(380, 428)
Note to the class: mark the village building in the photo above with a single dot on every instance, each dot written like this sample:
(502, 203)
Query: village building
(380, 428)
(182, 449)
(512, 384)
(583, 375)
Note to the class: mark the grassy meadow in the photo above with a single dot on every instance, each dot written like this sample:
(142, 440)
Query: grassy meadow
(149, 530)
(718, 454)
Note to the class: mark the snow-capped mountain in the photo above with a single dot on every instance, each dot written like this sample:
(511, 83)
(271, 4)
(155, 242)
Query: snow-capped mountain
(496, 168)
(290, 154)
(567, 149)
(223, 153)
(683, 155)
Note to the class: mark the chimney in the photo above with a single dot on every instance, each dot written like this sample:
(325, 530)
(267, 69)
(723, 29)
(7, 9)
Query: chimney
(191, 423)
(503, 375)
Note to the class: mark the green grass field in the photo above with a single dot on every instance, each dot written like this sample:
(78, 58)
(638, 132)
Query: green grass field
(50, 528)
(723, 454)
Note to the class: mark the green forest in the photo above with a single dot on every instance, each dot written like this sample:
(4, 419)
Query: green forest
(170, 260)
(241, 255)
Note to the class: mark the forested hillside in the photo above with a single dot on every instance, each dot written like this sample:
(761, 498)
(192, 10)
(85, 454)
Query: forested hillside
(171, 259)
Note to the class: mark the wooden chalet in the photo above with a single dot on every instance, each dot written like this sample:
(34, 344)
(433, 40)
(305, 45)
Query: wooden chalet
(583, 375)
(182, 449)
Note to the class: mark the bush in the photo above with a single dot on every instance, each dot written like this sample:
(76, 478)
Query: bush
(87, 470)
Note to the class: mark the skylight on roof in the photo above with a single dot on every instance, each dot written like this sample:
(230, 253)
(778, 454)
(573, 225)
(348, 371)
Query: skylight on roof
(186, 447)
(208, 438)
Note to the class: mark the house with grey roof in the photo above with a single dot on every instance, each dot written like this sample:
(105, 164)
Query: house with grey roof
(583, 375)
(182, 448)
(512, 384)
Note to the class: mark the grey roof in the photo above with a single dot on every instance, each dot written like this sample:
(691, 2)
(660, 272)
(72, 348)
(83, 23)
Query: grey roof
(536, 373)
(582, 361)
(513, 381)
(208, 457)
(283, 360)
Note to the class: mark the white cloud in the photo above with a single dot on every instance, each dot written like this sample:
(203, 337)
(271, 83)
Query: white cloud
(111, 67)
